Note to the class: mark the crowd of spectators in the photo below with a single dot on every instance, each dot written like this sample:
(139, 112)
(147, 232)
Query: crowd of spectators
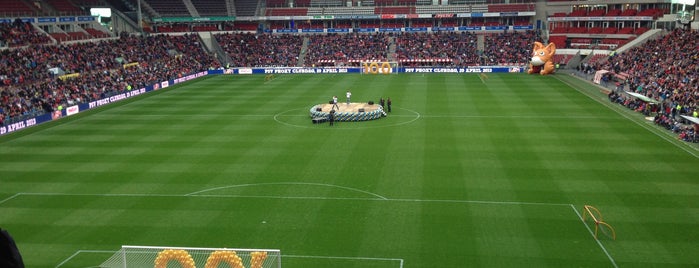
(346, 48)
(261, 50)
(510, 47)
(458, 48)
(20, 33)
(664, 69)
(29, 89)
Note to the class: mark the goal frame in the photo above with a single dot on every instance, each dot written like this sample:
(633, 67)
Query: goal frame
(592, 211)
(248, 253)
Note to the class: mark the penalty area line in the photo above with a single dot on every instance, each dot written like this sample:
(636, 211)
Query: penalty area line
(81, 251)
(10, 198)
(346, 258)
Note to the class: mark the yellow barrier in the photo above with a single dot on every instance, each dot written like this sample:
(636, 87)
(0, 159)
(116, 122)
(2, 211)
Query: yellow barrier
(130, 64)
(66, 76)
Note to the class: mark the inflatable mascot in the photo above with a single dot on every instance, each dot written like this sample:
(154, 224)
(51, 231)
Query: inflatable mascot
(542, 59)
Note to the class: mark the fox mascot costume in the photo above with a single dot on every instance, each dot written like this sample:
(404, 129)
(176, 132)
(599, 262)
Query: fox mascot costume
(542, 59)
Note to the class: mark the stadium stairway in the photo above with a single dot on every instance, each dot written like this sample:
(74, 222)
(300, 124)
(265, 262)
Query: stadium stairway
(642, 39)
(302, 54)
(392, 49)
(190, 7)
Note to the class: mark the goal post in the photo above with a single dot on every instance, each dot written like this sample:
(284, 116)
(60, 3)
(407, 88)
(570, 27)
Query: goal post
(379, 67)
(189, 257)
(592, 213)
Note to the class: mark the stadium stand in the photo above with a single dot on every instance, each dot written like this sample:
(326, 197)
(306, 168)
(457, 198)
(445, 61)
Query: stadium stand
(245, 7)
(211, 7)
(253, 50)
(443, 48)
(65, 7)
(169, 8)
(670, 76)
(348, 49)
(28, 89)
(509, 48)
(19, 33)
(15, 8)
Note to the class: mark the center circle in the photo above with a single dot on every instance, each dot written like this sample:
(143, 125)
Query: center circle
(301, 118)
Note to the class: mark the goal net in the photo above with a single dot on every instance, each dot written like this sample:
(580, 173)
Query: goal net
(162, 257)
(379, 67)
(592, 214)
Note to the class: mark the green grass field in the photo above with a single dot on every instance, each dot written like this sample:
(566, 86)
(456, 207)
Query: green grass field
(462, 173)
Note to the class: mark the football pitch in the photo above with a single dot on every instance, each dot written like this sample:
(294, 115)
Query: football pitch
(463, 172)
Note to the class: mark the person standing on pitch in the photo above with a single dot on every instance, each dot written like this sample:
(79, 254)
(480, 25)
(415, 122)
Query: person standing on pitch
(335, 103)
(349, 94)
(382, 102)
(331, 117)
(388, 104)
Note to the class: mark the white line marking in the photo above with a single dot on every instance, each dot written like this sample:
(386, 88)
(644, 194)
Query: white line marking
(614, 108)
(287, 183)
(283, 256)
(593, 237)
(346, 258)
(379, 198)
(479, 202)
(9, 198)
(81, 251)
(521, 116)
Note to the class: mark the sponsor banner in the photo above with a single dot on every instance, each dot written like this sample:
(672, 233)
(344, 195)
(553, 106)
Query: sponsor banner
(7, 129)
(387, 16)
(495, 69)
(336, 30)
(524, 27)
(337, 70)
(193, 19)
(17, 126)
(443, 29)
(72, 110)
(312, 30)
(115, 98)
(366, 30)
(631, 18)
(418, 29)
(393, 30)
(356, 17)
(470, 28)
(326, 17)
(494, 28)
(47, 20)
(66, 19)
(509, 14)
(301, 70)
(286, 30)
(11, 20)
(189, 77)
(438, 16)
(86, 18)
(164, 84)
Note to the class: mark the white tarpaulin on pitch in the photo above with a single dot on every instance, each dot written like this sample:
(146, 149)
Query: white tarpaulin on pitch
(642, 97)
(693, 119)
